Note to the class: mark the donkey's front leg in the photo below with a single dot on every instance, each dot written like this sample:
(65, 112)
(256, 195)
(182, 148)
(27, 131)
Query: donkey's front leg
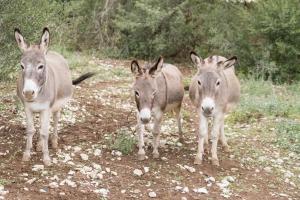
(141, 144)
(44, 134)
(54, 137)
(156, 133)
(29, 134)
(202, 131)
(217, 122)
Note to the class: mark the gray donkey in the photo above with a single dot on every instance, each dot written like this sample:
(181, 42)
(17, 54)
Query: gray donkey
(44, 86)
(157, 89)
(214, 90)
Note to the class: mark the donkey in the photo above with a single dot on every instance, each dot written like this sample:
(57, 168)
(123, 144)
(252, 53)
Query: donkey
(44, 86)
(157, 89)
(214, 90)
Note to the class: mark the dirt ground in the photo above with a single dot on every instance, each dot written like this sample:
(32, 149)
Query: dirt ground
(101, 110)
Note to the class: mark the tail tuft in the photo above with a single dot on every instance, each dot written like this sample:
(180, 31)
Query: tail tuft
(187, 88)
(82, 78)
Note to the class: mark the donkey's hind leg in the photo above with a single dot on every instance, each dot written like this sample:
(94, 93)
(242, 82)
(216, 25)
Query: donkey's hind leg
(54, 136)
(179, 123)
(223, 138)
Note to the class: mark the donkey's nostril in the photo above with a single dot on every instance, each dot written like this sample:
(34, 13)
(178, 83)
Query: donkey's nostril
(145, 120)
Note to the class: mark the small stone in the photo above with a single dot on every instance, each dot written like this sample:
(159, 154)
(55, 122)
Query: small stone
(76, 149)
(26, 189)
(137, 172)
(190, 169)
(201, 190)
(62, 194)
(37, 168)
(268, 169)
(283, 195)
(152, 194)
(123, 191)
(103, 192)
(53, 185)
(71, 172)
(97, 152)
(146, 169)
(43, 190)
(114, 173)
(30, 181)
(84, 156)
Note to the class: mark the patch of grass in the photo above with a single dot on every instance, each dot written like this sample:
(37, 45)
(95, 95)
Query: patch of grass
(288, 135)
(4, 182)
(262, 98)
(124, 142)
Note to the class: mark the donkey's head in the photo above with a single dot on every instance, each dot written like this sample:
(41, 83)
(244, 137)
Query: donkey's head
(33, 64)
(211, 85)
(145, 87)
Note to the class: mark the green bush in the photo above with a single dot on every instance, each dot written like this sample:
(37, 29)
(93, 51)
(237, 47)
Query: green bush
(288, 135)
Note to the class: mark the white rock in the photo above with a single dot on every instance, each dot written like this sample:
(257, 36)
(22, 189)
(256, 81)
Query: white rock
(71, 172)
(103, 192)
(138, 172)
(230, 178)
(62, 194)
(268, 169)
(201, 190)
(210, 179)
(100, 176)
(54, 161)
(30, 181)
(152, 194)
(43, 190)
(123, 191)
(97, 167)
(114, 173)
(53, 185)
(146, 169)
(107, 169)
(26, 189)
(97, 152)
(183, 198)
(190, 169)
(84, 156)
(37, 168)
(76, 149)
(283, 195)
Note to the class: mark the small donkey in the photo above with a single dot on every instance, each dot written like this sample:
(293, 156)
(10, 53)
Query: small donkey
(157, 89)
(44, 86)
(214, 90)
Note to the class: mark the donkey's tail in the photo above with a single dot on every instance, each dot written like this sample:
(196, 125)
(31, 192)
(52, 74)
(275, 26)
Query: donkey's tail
(83, 77)
(186, 88)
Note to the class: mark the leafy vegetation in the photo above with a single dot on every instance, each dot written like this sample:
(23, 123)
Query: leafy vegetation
(263, 34)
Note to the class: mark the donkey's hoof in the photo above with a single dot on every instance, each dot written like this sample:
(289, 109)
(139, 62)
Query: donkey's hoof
(155, 155)
(26, 157)
(215, 162)
(198, 161)
(141, 157)
(47, 162)
(39, 147)
(227, 149)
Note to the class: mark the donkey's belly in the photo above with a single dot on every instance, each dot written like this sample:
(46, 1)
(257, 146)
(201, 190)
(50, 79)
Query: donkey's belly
(58, 104)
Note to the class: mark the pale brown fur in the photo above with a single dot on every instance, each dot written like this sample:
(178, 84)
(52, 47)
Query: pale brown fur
(157, 89)
(214, 90)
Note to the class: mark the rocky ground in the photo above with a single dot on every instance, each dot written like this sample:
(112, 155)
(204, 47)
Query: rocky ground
(97, 151)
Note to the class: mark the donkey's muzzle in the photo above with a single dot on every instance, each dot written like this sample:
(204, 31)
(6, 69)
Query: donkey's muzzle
(207, 110)
(29, 95)
(145, 115)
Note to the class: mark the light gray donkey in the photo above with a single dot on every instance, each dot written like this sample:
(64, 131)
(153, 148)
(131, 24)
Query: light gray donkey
(157, 89)
(214, 90)
(44, 86)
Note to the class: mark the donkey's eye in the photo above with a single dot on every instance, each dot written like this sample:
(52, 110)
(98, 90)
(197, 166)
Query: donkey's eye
(199, 83)
(218, 83)
(137, 94)
(40, 67)
(22, 67)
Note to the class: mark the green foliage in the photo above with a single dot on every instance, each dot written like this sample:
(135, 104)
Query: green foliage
(124, 143)
(265, 34)
(288, 135)
(30, 17)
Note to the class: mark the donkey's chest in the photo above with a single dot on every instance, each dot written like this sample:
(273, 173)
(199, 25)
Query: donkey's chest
(37, 106)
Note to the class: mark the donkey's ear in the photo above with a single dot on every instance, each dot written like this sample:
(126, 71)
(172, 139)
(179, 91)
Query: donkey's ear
(20, 40)
(135, 68)
(45, 39)
(157, 66)
(197, 60)
(227, 63)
